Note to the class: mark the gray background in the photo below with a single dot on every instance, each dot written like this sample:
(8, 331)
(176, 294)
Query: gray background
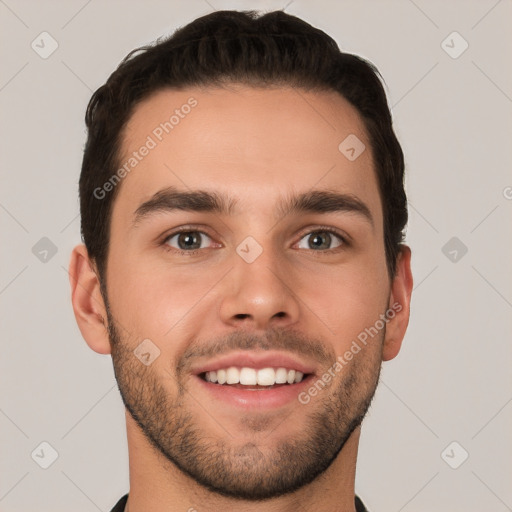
(452, 380)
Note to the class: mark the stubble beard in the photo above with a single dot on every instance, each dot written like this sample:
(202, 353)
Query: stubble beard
(236, 468)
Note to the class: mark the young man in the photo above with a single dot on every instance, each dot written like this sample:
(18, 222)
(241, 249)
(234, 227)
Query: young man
(243, 210)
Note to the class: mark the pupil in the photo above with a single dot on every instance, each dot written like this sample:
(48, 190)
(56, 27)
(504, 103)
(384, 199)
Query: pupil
(188, 241)
(318, 240)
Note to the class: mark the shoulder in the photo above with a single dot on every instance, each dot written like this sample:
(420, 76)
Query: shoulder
(119, 506)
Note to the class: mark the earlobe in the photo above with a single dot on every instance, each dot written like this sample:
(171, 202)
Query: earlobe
(88, 304)
(399, 303)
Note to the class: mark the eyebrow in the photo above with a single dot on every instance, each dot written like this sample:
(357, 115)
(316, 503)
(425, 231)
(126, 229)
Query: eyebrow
(315, 201)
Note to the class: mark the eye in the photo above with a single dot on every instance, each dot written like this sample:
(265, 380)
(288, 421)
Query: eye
(188, 240)
(321, 240)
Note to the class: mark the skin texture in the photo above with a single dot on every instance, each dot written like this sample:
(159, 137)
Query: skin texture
(255, 146)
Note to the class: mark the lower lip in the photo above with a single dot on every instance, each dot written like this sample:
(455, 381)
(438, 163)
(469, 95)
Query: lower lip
(272, 398)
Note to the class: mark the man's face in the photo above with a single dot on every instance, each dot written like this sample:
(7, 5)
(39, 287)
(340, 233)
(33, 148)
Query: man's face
(251, 286)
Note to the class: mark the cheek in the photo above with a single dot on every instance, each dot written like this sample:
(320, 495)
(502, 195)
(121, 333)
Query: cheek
(159, 300)
(345, 302)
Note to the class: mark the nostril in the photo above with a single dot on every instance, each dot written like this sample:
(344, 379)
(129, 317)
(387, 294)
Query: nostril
(242, 316)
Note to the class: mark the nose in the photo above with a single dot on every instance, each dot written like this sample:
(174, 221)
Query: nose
(259, 295)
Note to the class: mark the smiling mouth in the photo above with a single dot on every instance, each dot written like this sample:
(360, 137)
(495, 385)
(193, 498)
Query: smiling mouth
(254, 379)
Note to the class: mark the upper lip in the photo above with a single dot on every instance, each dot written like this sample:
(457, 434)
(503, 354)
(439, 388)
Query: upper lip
(255, 360)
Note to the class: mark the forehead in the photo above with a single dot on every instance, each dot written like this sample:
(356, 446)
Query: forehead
(251, 143)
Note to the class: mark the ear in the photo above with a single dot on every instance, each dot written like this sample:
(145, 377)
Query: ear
(399, 302)
(88, 304)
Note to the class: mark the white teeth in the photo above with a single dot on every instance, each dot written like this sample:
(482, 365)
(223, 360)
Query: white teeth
(221, 376)
(248, 377)
(232, 375)
(281, 375)
(266, 377)
(251, 377)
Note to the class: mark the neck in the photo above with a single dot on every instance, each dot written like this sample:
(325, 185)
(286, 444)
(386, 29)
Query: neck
(156, 484)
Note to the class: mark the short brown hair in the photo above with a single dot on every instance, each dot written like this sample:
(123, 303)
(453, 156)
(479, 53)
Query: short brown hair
(238, 47)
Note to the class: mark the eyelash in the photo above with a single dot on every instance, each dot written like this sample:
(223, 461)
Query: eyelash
(191, 229)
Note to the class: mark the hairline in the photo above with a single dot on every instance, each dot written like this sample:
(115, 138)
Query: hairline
(225, 83)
